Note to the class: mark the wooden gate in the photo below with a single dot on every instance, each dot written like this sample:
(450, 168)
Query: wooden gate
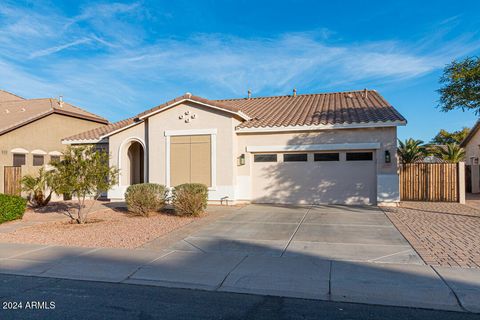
(429, 182)
(12, 177)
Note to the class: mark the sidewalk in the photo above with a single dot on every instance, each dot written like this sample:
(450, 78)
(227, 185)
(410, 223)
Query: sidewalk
(419, 286)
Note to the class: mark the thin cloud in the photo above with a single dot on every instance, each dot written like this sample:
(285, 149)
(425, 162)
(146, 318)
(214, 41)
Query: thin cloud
(55, 49)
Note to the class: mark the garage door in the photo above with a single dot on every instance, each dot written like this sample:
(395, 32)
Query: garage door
(315, 178)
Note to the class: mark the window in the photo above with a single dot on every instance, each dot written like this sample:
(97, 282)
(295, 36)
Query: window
(38, 160)
(265, 158)
(294, 157)
(18, 160)
(54, 158)
(326, 156)
(359, 156)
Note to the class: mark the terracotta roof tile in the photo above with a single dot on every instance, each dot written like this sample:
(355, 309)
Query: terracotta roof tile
(282, 111)
(8, 96)
(214, 103)
(316, 109)
(95, 134)
(15, 113)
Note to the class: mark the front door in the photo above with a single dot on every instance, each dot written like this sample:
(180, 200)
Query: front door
(190, 160)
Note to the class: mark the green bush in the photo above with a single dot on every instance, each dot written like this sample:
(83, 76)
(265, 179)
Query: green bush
(11, 207)
(190, 199)
(145, 198)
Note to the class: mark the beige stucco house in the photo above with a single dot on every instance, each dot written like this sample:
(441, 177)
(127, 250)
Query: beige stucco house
(31, 131)
(312, 148)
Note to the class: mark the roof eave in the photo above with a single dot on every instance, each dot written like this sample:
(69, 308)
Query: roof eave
(237, 113)
(83, 141)
(324, 127)
(470, 135)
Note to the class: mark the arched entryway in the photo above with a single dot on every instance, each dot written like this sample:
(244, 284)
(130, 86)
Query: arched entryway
(135, 154)
(132, 163)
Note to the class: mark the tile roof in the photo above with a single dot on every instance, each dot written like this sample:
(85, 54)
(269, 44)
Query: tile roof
(316, 109)
(470, 135)
(95, 134)
(353, 107)
(214, 103)
(8, 96)
(15, 113)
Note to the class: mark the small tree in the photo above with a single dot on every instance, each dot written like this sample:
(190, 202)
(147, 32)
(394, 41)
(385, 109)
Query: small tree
(451, 152)
(445, 137)
(411, 150)
(38, 188)
(461, 90)
(84, 172)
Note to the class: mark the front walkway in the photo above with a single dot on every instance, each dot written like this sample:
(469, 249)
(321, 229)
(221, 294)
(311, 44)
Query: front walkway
(444, 234)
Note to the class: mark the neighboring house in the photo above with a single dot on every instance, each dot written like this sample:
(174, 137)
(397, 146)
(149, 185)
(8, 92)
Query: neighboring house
(31, 131)
(472, 154)
(311, 148)
(471, 144)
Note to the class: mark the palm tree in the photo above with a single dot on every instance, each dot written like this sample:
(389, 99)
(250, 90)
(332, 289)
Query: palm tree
(38, 187)
(410, 150)
(451, 152)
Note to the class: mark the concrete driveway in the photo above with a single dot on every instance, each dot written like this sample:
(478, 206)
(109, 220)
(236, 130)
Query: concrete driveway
(333, 232)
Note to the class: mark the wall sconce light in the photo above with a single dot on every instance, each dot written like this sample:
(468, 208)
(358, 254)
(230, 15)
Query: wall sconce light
(388, 157)
(241, 160)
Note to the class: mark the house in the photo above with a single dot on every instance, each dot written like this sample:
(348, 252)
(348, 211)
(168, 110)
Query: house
(310, 148)
(471, 144)
(31, 131)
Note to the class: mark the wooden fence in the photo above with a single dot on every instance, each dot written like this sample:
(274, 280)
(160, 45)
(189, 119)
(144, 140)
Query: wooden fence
(429, 182)
(12, 177)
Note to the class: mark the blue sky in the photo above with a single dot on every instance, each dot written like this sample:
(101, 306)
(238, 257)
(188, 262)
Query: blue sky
(119, 58)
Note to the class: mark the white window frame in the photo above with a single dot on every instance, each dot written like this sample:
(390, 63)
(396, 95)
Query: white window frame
(193, 132)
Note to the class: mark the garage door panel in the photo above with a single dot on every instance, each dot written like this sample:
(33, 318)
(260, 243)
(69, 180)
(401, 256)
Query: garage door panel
(342, 182)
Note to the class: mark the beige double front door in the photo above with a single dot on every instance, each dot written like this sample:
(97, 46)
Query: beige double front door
(191, 160)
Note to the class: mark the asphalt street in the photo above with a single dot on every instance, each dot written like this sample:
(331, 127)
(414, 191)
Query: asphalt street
(48, 298)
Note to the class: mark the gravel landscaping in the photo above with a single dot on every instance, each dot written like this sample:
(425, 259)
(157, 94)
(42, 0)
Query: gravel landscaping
(108, 227)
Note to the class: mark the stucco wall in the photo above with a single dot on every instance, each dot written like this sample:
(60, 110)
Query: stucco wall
(472, 149)
(168, 120)
(44, 134)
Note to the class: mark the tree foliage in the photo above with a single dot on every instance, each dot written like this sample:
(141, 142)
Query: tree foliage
(444, 137)
(410, 150)
(38, 188)
(83, 173)
(461, 85)
(450, 152)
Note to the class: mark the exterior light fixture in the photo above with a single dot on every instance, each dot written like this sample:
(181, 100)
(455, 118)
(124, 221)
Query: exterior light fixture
(241, 160)
(388, 157)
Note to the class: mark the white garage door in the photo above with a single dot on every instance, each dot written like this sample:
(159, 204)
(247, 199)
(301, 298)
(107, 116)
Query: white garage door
(315, 178)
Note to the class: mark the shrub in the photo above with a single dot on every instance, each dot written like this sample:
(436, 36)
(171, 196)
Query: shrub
(145, 198)
(38, 188)
(11, 207)
(190, 199)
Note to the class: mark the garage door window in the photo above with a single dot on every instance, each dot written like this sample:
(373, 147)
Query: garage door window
(326, 156)
(295, 157)
(265, 158)
(359, 156)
